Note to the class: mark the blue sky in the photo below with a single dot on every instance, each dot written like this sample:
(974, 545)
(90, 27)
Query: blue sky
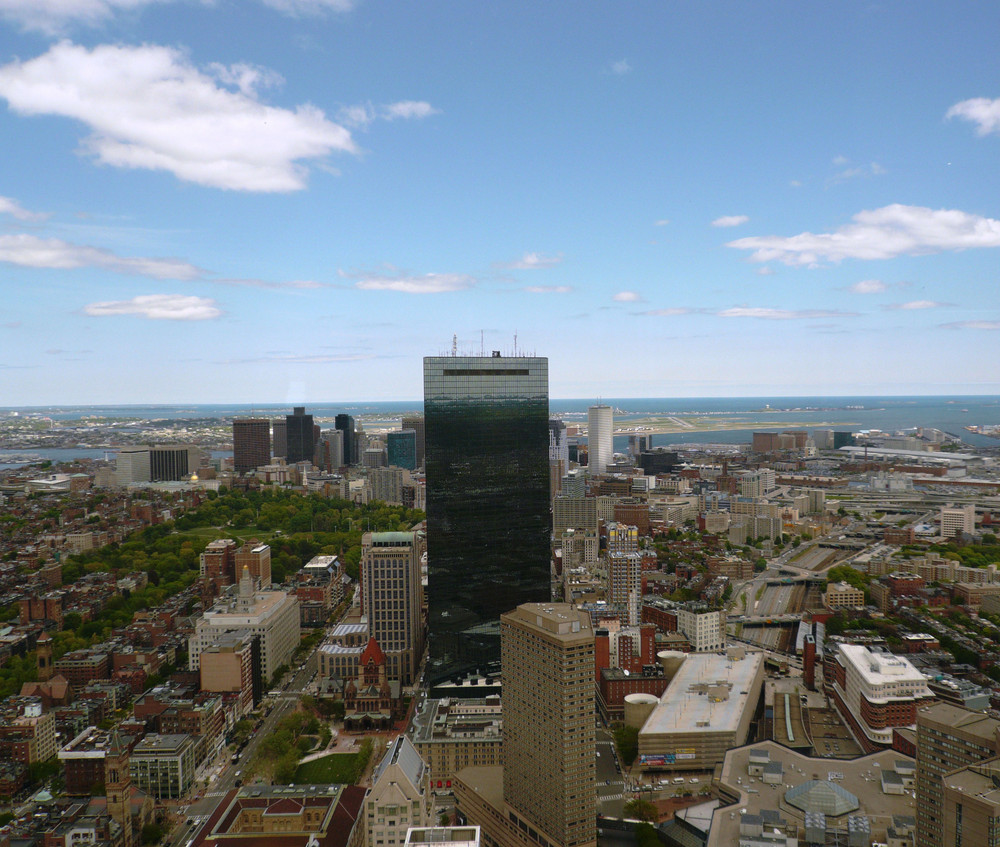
(296, 200)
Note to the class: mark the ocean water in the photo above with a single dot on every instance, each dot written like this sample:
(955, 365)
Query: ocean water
(889, 414)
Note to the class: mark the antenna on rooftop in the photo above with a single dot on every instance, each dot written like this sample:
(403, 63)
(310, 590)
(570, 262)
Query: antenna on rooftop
(454, 344)
(482, 344)
(515, 343)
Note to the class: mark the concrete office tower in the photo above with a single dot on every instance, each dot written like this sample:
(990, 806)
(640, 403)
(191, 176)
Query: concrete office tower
(487, 502)
(401, 449)
(548, 720)
(948, 738)
(279, 438)
(416, 423)
(345, 423)
(251, 443)
(600, 439)
(390, 585)
(301, 438)
(330, 450)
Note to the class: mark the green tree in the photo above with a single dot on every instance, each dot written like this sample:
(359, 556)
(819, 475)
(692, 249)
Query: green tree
(645, 835)
(627, 742)
(152, 833)
(643, 810)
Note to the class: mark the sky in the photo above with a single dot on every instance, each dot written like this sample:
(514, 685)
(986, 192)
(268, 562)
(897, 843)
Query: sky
(294, 201)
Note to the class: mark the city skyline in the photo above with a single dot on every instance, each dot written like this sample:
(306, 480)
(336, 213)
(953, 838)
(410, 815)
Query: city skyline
(797, 201)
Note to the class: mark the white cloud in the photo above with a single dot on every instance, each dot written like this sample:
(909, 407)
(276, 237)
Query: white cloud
(988, 325)
(872, 169)
(868, 286)
(361, 115)
(533, 261)
(413, 283)
(161, 307)
(666, 313)
(309, 7)
(885, 233)
(29, 251)
(981, 111)
(662, 222)
(549, 289)
(765, 271)
(621, 67)
(917, 304)
(627, 297)
(9, 206)
(730, 220)
(52, 16)
(408, 109)
(840, 161)
(781, 314)
(148, 107)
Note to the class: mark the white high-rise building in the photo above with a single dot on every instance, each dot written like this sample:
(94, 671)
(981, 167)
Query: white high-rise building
(600, 439)
(958, 519)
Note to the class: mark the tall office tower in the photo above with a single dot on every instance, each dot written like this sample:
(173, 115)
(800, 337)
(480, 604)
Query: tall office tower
(948, 738)
(416, 423)
(600, 439)
(345, 423)
(548, 720)
(625, 585)
(558, 455)
(301, 436)
(279, 439)
(392, 598)
(401, 449)
(251, 443)
(331, 450)
(487, 502)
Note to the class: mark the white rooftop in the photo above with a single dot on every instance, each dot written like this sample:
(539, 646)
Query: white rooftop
(878, 668)
(691, 702)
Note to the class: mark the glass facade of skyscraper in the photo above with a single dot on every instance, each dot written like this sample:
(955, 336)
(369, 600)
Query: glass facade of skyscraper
(487, 439)
(401, 449)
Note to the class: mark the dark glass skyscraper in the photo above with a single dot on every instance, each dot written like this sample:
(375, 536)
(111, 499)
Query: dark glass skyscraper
(345, 423)
(487, 440)
(301, 439)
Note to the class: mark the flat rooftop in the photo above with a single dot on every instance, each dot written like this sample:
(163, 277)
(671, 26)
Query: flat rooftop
(878, 668)
(692, 703)
(861, 777)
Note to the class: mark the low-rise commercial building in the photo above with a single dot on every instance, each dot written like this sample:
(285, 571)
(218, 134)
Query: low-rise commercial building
(707, 709)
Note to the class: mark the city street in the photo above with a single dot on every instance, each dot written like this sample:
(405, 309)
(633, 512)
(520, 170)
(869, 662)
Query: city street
(223, 773)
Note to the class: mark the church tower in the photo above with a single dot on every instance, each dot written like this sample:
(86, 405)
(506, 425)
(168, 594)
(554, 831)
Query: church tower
(43, 656)
(118, 786)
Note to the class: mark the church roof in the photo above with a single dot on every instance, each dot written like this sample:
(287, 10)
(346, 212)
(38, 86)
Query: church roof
(372, 652)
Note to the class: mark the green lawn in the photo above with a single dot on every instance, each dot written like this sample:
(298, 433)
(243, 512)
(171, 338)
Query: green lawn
(213, 532)
(335, 768)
